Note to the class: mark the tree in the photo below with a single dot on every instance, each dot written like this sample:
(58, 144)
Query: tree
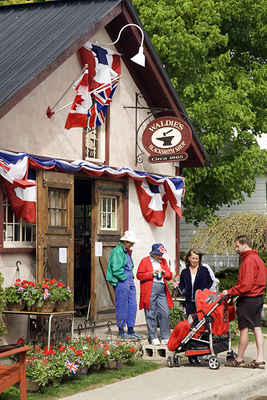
(219, 236)
(215, 52)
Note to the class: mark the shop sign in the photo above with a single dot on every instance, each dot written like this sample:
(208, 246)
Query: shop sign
(166, 139)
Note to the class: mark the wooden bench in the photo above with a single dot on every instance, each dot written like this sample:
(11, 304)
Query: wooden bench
(11, 374)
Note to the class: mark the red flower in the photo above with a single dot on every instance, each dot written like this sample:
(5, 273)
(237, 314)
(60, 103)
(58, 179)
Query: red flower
(60, 284)
(20, 341)
(44, 361)
(17, 280)
(132, 349)
(79, 353)
(88, 339)
(72, 348)
(105, 354)
(67, 338)
(46, 279)
(62, 348)
(45, 286)
(37, 348)
(17, 284)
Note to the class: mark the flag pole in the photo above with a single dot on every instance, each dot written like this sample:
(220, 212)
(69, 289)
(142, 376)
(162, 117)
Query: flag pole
(49, 111)
(103, 86)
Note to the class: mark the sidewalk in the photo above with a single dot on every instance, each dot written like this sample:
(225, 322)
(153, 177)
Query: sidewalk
(187, 382)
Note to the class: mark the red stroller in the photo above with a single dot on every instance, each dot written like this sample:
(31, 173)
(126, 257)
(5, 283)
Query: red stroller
(206, 333)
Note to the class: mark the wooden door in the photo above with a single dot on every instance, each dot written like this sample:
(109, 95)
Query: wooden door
(107, 225)
(55, 227)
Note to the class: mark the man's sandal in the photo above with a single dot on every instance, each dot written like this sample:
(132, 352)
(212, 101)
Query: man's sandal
(235, 364)
(255, 364)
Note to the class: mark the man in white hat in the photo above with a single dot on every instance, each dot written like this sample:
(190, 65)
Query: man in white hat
(120, 275)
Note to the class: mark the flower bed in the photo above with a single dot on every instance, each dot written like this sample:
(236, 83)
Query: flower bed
(46, 366)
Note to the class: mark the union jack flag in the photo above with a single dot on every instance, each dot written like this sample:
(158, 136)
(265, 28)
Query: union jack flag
(46, 294)
(72, 367)
(97, 113)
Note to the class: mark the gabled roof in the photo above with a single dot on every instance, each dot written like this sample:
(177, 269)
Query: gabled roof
(37, 38)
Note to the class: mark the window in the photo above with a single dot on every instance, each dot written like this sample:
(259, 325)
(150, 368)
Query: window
(94, 143)
(17, 233)
(57, 207)
(108, 213)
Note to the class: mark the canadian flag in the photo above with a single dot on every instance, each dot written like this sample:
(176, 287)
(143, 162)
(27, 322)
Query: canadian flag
(21, 191)
(153, 202)
(78, 114)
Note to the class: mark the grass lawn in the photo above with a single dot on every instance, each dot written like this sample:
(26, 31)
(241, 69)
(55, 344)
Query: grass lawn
(82, 383)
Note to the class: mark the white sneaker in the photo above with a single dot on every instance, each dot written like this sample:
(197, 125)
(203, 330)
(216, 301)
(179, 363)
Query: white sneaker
(155, 342)
(164, 341)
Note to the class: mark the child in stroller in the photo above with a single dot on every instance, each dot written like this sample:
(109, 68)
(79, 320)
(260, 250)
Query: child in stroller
(205, 333)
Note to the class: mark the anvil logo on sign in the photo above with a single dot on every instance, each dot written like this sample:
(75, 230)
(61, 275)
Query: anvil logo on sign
(165, 138)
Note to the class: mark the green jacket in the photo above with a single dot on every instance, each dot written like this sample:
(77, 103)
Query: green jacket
(116, 263)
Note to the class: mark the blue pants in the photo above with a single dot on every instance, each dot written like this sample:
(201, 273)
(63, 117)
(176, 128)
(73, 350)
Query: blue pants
(158, 306)
(125, 299)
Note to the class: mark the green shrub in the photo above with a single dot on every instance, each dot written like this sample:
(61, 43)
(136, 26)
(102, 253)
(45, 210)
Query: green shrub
(176, 314)
(227, 278)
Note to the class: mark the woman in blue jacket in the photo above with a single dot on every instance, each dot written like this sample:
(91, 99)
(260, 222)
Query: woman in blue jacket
(195, 276)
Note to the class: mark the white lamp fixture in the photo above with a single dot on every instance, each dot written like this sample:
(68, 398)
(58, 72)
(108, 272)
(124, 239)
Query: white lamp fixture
(139, 58)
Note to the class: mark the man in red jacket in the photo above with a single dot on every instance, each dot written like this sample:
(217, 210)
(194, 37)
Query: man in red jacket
(250, 289)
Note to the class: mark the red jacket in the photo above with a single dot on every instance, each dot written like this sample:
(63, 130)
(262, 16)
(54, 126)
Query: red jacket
(251, 277)
(146, 278)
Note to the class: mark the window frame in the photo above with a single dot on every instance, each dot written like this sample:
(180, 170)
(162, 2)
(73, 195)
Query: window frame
(104, 157)
(12, 246)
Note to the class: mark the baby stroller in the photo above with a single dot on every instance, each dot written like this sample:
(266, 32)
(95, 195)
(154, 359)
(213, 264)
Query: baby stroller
(205, 333)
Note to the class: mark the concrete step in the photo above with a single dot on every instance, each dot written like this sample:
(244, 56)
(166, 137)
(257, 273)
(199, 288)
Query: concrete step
(155, 353)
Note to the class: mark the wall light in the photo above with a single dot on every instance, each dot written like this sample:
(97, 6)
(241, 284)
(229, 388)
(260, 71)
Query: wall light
(139, 58)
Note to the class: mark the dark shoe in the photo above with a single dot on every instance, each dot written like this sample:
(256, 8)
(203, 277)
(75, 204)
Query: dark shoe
(124, 336)
(255, 364)
(234, 364)
(135, 336)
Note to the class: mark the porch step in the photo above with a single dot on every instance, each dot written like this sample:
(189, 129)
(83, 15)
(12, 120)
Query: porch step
(155, 353)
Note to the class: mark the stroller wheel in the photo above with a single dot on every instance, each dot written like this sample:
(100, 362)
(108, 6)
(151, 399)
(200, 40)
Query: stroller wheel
(170, 362)
(214, 363)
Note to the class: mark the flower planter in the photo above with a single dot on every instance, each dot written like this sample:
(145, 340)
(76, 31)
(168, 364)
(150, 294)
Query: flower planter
(83, 371)
(65, 306)
(15, 306)
(32, 386)
(46, 307)
(111, 364)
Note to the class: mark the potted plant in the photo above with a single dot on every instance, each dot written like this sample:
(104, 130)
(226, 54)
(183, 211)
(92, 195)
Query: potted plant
(32, 294)
(13, 296)
(61, 295)
(45, 302)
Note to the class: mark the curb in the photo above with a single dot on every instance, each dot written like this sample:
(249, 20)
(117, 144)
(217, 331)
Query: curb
(239, 391)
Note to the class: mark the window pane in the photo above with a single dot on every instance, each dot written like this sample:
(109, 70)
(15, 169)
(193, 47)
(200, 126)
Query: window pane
(108, 213)
(57, 207)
